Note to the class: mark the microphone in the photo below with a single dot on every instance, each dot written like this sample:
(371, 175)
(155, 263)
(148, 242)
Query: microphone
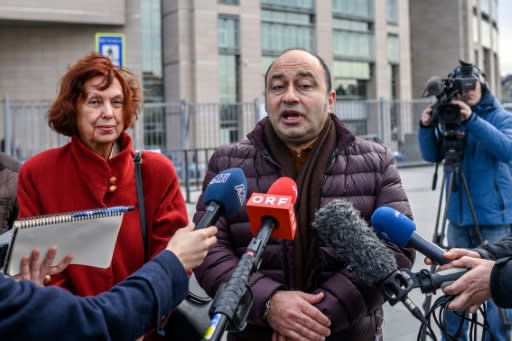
(433, 87)
(400, 230)
(273, 213)
(226, 192)
(339, 225)
(275, 207)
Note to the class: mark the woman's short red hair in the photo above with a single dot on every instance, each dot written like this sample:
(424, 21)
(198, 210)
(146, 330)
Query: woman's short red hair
(62, 114)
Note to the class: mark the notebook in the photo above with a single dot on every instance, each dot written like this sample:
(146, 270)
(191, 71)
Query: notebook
(89, 235)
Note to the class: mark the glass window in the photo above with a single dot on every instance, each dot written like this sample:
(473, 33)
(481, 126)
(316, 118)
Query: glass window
(349, 69)
(350, 89)
(392, 12)
(286, 17)
(358, 8)
(227, 32)
(306, 4)
(350, 25)
(229, 2)
(353, 45)
(486, 33)
(227, 78)
(485, 6)
(278, 37)
(476, 24)
(393, 49)
(151, 50)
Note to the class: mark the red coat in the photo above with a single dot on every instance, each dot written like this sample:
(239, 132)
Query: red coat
(73, 177)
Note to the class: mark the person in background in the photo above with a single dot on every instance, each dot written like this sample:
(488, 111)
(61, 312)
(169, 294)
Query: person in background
(9, 169)
(485, 161)
(135, 305)
(96, 103)
(301, 291)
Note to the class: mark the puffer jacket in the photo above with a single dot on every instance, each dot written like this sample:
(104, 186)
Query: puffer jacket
(361, 172)
(486, 163)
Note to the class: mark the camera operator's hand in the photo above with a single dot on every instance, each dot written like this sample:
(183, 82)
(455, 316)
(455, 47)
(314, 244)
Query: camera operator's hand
(465, 110)
(426, 116)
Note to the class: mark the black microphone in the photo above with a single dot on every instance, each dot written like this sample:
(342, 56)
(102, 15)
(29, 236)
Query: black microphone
(226, 192)
(433, 87)
(339, 225)
(400, 230)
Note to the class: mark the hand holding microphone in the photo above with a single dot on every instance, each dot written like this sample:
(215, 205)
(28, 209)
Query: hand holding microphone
(191, 246)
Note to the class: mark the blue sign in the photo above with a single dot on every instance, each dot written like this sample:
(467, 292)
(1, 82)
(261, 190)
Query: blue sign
(111, 45)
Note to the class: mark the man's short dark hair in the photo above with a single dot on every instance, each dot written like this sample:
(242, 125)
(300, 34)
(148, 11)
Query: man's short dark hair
(327, 72)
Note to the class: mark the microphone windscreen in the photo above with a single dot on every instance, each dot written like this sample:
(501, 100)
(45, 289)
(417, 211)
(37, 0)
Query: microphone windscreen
(433, 87)
(229, 189)
(395, 226)
(339, 225)
(284, 186)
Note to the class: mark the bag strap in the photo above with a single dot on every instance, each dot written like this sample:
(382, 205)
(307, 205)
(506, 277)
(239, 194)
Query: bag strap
(137, 159)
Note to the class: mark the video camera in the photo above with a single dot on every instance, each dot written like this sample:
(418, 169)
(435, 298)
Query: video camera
(463, 77)
(447, 115)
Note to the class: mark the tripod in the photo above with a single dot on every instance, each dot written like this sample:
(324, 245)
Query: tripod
(452, 168)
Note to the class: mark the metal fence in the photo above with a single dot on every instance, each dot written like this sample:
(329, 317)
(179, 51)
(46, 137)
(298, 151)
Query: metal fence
(189, 132)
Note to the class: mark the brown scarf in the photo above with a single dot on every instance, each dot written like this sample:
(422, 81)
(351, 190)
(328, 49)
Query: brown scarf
(309, 183)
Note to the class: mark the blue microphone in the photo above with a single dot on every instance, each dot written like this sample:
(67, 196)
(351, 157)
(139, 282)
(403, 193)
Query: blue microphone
(401, 230)
(225, 193)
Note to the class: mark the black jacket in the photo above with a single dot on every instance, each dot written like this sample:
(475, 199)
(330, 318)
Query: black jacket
(501, 274)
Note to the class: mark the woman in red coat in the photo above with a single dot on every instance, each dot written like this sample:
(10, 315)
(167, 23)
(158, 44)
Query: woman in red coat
(97, 102)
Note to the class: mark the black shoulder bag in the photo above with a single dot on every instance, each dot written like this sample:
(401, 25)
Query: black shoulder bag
(190, 319)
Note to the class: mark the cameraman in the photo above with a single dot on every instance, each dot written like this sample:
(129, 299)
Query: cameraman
(485, 131)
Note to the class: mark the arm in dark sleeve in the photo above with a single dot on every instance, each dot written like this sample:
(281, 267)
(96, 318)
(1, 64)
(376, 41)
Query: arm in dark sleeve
(429, 144)
(500, 249)
(500, 282)
(127, 311)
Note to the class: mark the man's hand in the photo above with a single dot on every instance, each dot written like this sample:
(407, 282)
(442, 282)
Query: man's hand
(452, 255)
(191, 247)
(473, 288)
(39, 273)
(465, 110)
(293, 316)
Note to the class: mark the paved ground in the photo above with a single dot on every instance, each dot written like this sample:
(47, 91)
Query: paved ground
(399, 323)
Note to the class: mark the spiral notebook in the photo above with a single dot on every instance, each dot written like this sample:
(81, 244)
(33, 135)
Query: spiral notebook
(89, 235)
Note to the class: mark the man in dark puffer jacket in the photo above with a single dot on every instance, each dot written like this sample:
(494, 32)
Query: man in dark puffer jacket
(301, 292)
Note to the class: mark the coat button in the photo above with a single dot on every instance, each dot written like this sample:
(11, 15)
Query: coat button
(112, 188)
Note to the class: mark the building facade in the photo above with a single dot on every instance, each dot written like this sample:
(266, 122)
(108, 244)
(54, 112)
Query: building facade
(217, 51)
(445, 31)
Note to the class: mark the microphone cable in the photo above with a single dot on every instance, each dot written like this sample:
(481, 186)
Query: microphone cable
(438, 314)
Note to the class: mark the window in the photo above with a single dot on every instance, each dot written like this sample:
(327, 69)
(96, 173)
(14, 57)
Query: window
(392, 12)
(353, 8)
(354, 45)
(393, 49)
(282, 30)
(304, 4)
(229, 2)
(351, 80)
(229, 75)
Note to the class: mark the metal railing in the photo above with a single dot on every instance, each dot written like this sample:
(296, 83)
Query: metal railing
(188, 133)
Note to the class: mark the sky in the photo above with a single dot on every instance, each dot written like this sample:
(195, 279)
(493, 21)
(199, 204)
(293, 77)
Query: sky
(505, 36)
